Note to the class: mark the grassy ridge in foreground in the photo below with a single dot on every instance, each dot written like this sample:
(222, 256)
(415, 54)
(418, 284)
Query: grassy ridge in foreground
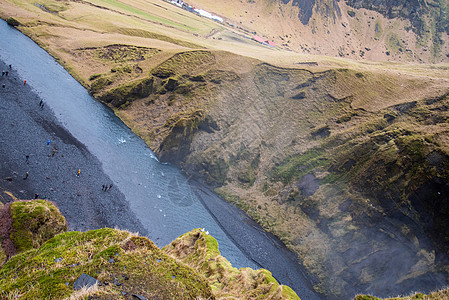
(123, 264)
(439, 295)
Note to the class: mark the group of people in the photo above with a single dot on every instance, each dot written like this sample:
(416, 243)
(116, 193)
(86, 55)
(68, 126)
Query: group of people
(5, 73)
(106, 187)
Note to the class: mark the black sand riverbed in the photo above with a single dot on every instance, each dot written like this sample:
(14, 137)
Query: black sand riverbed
(25, 128)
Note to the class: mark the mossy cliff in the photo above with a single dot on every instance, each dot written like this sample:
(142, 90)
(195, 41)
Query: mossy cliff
(123, 264)
(28, 224)
(438, 295)
(199, 250)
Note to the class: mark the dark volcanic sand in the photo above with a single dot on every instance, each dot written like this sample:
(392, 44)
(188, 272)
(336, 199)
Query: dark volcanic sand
(24, 130)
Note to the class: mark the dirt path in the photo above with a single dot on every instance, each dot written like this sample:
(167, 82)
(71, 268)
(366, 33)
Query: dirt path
(25, 128)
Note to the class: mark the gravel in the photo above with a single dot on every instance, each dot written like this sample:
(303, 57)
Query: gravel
(25, 128)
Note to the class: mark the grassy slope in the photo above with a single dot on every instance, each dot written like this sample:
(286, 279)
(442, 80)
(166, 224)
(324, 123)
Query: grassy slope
(441, 294)
(262, 127)
(366, 34)
(49, 262)
(200, 251)
(51, 270)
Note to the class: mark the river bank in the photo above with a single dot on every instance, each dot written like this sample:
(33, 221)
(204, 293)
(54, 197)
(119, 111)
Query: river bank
(26, 128)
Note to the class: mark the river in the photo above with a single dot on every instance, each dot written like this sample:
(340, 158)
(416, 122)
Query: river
(162, 198)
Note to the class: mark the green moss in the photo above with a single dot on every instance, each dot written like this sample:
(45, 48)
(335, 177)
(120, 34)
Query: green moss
(298, 165)
(99, 84)
(288, 293)
(34, 222)
(122, 69)
(411, 145)
(124, 53)
(188, 120)
(52, 6)
(212, 246)
(94, 76)
(365, 297)
(129, 92)
(248, 176)
(184, 63)
(35, 274)
(12, 22)
(200, 251)
(108, 253)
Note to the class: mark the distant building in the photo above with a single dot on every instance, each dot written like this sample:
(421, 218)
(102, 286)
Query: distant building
(177, 3)
(264, 41)
(207, 14)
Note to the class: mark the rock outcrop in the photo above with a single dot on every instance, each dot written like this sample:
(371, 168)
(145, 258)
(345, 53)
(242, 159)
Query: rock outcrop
(28, 224)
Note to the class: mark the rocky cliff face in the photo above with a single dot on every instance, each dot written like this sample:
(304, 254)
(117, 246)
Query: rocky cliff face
(348, 168)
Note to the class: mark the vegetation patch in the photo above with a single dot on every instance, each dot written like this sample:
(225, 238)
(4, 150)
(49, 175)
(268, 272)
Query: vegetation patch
(188, 120)
(128, 92)
(123, 263)
(99, 84)
(35, 222)
(393, 42)
(298, 165)
(200, 251)
(52, 6)
(124, 53)
(437, 295)
(191, 62)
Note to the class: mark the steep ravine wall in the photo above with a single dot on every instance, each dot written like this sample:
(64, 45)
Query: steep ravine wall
(349, 174)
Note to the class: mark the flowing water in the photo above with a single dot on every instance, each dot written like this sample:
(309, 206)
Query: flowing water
(159, 195)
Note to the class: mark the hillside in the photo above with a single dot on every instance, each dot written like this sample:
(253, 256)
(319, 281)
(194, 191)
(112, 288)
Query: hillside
(406, 31)
(110, 263)
(345, 161)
